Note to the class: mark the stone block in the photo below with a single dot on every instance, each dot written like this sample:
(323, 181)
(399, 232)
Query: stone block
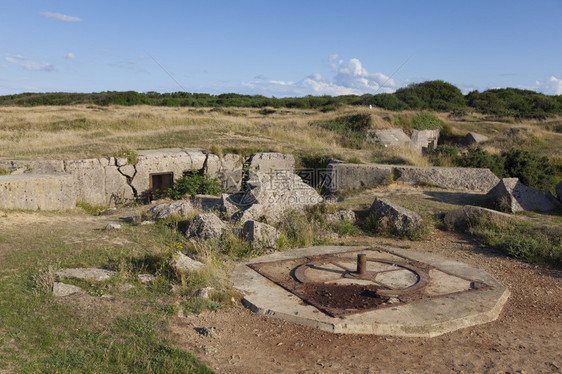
(343, 177)
(89, 179)
(206, 226)
(510, 195)
(266, 162)
(37, 191)
(260, 234)
(461, 219)
(397, 218)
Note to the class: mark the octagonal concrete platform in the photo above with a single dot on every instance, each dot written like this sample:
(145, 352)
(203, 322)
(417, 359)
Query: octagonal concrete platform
(424, 318)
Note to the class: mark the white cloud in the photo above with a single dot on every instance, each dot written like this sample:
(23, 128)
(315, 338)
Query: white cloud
(29, 65)
(60, 17)
(349, 78)
(553, 86)
(69, 56)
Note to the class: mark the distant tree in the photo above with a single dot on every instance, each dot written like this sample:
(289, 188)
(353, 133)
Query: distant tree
(436, 95)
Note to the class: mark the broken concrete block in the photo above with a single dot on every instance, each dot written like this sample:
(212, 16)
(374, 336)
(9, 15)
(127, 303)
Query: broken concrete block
(339, 216)
(63, 289)
(206, 226)
(394, 216)
(180, 208)
(184, 264)
(510, 195)
(461, 219)
(260, 234)
(266, 162)
(89, 274)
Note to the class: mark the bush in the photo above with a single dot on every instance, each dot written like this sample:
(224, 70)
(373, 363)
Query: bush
(519, 239)
(532, 170)
(426, 121)
(480, 158)
(193, 183)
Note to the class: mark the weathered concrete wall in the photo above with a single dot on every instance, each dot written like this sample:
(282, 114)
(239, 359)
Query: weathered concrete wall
(35, 167)
(271, 161)
(473, 179)
(344, 176)
(388, 137)
(89, 179)
(422, 139)
(37, 191)
(110, 181)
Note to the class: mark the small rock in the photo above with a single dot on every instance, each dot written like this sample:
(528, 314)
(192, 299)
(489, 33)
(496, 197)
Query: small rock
(145, 278)
(181, 208)
(113, 226)
(184, 264)
(203, 292)
(347, 215)
(206, 226)
(144, 223)
(260, 234)
(126, 287)
(89, 274)
(210, 332)
(171, 289)
(398, 218)
(62, 289)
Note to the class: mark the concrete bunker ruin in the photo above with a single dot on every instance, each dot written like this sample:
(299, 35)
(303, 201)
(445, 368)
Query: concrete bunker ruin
(365, 290)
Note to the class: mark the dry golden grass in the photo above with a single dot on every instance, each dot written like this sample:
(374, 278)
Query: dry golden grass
(68, 132)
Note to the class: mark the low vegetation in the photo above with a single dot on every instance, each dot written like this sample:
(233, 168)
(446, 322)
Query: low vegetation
(531, 169)
(521, 238)
(193, 183)
(431, 95)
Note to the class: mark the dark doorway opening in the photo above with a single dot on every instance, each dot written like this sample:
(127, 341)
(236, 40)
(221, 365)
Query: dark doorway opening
(160, 183)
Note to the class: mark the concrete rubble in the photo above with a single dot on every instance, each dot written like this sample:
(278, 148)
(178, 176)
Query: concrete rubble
(260, 234)
(462, 218)
(88, 274)
(393, 216)
(472, 138)
(184, 264)
(180, 208)
(206, 226)
(270, 196)
(346, 215)
(510, 195)
(63, 289)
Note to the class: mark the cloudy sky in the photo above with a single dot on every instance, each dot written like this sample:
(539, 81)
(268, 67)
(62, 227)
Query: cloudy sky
(278, 48)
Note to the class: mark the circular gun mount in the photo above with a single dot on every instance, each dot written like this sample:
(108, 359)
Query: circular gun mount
(393, 278)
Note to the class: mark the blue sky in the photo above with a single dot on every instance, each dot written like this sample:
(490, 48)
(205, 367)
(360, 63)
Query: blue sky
(278, 48)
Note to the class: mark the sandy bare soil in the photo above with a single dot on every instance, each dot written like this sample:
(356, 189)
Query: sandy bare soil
(527, 337)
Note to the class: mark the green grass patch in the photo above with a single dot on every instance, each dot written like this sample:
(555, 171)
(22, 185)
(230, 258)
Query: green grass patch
(91, 209)
(524, 240)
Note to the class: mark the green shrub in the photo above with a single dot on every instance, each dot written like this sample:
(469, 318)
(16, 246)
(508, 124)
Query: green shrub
(426, 121)
(532, 170)
(480, 158)
(193, 183)
(4, 171)
(349, 128)
(522, 240)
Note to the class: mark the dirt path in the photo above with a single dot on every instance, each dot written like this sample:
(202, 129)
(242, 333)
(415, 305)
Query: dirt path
(527, 337)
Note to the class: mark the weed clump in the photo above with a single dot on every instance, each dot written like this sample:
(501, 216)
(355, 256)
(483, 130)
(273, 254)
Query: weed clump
(193, 183)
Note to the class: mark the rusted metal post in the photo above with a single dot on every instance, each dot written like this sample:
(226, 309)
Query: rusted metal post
(361, 264)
